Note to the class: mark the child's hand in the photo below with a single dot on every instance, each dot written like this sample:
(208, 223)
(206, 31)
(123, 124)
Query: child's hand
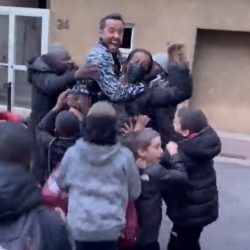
(77, 113)
(141, 163)
(135, 124)
(61, 100)
(172, 148)
(141, 122)
(128, 127)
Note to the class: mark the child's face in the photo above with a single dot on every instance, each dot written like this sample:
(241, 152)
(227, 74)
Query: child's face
(153, 152)
(84, 102)
(178, 129)
(72, 101)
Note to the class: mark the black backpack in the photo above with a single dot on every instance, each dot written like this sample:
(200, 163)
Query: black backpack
(23, 234)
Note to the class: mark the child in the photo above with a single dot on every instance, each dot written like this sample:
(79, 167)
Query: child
(56, 132)
(79, 99)
(199, 146)
(146, 145)
(100, 177)
(24, 222)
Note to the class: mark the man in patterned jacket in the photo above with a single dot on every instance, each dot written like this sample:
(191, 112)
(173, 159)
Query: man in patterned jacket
(105, 54)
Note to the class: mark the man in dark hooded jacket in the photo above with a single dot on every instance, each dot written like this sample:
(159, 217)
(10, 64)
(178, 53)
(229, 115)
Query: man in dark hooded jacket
(51, 74)
(20, 196)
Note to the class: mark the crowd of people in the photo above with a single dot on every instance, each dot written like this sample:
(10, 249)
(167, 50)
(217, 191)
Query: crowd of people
(105, 146)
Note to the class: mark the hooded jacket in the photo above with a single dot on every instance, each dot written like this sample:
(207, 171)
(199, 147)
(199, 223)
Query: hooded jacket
(99, 181)
(50, 148)
(160, 100)
(19, 195)
(154, 180)
(201, 205)
(47, 84)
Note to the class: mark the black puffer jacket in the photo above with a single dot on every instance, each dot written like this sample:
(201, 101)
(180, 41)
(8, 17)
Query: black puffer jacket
(47, 84)
(201, 205)
(155, 179)
(19, 195)
(160, 100)
(162, 117)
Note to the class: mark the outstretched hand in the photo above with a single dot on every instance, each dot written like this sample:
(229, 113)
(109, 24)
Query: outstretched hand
(135, 124)
(87, 71)
(61, 100)
(177, 53)
(172, 148)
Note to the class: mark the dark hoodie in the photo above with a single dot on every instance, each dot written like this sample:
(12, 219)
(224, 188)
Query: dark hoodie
(201, 205)
(19, 195)
(47, 83)
(50, 148)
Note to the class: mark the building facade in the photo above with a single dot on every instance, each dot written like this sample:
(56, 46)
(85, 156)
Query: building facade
(216, 34)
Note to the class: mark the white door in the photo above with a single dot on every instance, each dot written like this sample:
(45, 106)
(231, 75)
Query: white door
(24, 34)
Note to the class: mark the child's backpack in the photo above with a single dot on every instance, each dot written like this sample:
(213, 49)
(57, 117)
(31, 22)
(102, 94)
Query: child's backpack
(128, 234)
(23, 234)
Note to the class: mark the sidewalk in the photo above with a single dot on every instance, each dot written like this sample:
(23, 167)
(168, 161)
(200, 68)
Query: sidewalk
(235, 146)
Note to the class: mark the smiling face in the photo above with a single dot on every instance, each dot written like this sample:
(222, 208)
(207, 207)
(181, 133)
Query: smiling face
(112, 34)
(152, 154)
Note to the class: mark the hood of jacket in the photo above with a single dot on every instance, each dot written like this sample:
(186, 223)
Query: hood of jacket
(19, 193)
(38, 64)
(95, 154)
(203, 146)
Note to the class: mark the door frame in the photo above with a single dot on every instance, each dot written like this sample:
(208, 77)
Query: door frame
(12, 12)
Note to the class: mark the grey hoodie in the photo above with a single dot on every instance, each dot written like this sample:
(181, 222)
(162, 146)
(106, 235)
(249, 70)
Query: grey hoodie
(99, 180)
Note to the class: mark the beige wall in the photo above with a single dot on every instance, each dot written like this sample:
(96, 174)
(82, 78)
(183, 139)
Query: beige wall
(160, 21)
(156, 22)
(221, 76)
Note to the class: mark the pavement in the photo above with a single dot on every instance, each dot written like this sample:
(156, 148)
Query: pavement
(232, 230)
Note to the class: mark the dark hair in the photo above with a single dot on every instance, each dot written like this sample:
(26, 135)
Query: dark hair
(16, 143)
(144, 51)
(100, 130)
(192, 119)
(67, 124)
(141, 140)
(113, 16)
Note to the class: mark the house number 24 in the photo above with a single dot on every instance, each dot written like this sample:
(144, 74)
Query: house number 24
(63, 24)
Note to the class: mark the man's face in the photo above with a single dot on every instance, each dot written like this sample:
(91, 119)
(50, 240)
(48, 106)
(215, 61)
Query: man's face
(112, 34)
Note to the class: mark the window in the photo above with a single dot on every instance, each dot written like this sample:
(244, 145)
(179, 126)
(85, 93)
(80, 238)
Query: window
(128, 39)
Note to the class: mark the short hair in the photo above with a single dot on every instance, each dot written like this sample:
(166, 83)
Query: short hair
(100, 125)
(113, 16)
(57, 53)
(16, 142)
(192, 119)
(141, 140)
(144, 51)
(67, 124)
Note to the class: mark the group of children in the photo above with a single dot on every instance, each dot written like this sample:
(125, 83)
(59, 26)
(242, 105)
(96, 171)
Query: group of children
(101, 176)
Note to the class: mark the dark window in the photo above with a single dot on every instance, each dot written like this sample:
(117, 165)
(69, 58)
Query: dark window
(42, 4)
(127, 38)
